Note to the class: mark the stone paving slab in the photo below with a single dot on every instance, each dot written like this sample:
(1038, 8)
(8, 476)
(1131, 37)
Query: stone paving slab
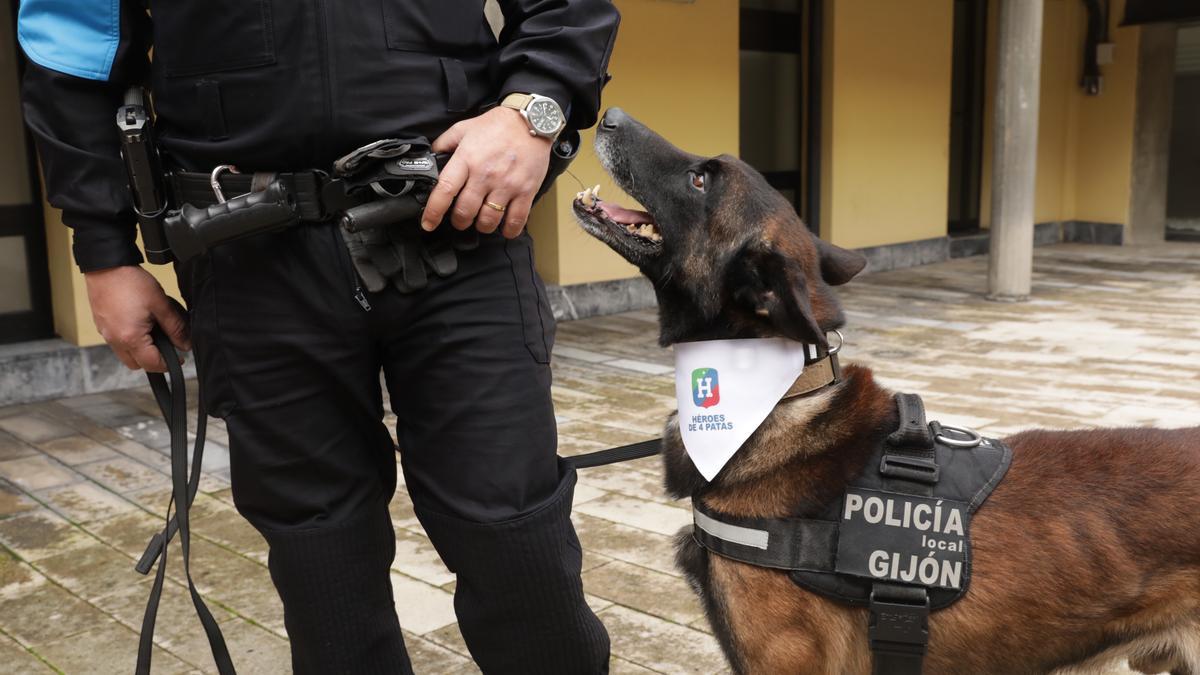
(1111, 337)
(18, 660)
(32, 428)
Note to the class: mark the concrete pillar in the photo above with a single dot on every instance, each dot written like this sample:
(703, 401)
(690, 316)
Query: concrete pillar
(1151, 134)
(1014, 157)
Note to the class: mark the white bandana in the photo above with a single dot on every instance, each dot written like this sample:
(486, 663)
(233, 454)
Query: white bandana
(726, 388)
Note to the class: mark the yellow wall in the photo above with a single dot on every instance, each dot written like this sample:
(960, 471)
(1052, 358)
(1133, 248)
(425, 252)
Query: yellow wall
(887, 116)
(1057, 135)
(675, 67)
(1085, 143)
(1104, 129)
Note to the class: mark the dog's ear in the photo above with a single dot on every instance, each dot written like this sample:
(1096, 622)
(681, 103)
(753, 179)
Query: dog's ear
(838, 265)
(774, 287)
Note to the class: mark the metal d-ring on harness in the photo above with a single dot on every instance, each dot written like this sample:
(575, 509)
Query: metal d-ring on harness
(972, 437)
(172, 401)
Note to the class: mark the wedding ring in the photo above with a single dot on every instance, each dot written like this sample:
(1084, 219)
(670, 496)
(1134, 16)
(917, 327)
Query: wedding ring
(494, 205)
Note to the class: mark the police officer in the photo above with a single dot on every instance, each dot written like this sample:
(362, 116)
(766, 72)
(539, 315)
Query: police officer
(287, 355)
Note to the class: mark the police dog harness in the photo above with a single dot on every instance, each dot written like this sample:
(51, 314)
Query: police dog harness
(898, 541)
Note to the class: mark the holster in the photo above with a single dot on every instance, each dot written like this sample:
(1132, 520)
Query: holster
(192, 230)
(384, 187)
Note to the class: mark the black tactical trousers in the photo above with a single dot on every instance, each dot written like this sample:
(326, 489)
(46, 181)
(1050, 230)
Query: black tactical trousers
(291, 360)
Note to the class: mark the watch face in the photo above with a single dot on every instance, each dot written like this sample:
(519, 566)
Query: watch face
(545, 116)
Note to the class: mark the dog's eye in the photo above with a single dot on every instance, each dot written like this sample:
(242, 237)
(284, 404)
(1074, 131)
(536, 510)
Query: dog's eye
(698, 181)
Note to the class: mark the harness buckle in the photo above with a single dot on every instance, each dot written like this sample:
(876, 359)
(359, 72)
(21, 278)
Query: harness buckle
(910, 468)
(898, 626)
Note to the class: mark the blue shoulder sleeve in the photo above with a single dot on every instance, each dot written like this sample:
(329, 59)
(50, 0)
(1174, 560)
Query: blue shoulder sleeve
(76, 37)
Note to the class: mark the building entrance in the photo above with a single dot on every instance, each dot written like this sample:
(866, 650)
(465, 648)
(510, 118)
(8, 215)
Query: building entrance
(24, 274)
(780, 75)
(966, 115)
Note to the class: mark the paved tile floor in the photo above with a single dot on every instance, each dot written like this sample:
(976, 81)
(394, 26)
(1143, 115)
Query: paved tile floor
(1112, 337)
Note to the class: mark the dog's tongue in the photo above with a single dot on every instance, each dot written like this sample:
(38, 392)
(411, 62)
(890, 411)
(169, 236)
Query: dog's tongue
(624, 216)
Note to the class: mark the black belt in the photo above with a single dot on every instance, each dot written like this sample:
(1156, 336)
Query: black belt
(318, 195)
(306, 186)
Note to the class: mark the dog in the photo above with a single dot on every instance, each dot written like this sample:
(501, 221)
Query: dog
(1088, 552)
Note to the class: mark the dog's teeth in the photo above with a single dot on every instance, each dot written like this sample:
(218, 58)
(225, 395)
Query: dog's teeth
(596, 191)
(588, 197)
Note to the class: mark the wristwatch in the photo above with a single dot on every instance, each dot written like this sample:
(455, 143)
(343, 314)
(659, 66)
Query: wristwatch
(542, 114)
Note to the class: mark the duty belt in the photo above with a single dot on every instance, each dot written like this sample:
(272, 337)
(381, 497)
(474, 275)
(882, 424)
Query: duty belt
(378, 185)
(305, 187)
(182, 214)
(898, 541)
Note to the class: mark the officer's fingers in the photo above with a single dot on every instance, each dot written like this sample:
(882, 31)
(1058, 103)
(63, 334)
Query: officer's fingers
(150, 360)
(489, 215)
(125, 357)
(173, 322)
(449, 139)
(147, 355)
(517, 216)
(451, 180)
(467, 205)
(123, 340)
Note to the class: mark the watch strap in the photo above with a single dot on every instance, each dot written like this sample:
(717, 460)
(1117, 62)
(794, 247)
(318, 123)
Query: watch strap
(517, 101)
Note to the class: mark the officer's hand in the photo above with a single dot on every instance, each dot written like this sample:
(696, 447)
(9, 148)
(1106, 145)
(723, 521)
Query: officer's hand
(126, 303)
(495, 160)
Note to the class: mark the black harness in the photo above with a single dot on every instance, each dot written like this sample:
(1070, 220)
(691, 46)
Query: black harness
(897, 542)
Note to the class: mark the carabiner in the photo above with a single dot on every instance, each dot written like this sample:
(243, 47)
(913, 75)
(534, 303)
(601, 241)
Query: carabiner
(213, 180)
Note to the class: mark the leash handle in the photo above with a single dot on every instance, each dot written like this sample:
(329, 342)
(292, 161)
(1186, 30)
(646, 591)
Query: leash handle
(172, 401)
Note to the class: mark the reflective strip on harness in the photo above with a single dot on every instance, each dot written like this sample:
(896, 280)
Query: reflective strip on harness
(781, 543)
(733, 533)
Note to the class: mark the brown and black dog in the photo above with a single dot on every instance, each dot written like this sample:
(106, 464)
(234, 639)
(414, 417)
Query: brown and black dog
(1088, 551)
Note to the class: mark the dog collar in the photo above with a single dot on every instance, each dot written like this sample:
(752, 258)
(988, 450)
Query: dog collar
(726, 388)
(816, 376)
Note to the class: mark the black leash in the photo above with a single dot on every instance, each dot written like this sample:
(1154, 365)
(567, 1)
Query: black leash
(623, 453)
(172, 401)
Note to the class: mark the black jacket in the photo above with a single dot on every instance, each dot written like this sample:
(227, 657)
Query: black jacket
(280, 84)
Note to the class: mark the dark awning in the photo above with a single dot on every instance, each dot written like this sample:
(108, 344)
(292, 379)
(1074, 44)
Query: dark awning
(1160, 11)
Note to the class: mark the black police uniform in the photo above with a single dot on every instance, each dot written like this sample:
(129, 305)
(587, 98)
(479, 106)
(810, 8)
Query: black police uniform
(285, 353)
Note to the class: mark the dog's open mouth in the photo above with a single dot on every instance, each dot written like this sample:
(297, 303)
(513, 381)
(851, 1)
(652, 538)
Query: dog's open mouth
(615, 223)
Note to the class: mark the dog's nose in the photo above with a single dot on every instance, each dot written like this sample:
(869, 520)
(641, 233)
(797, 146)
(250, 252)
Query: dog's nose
(612, 119)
